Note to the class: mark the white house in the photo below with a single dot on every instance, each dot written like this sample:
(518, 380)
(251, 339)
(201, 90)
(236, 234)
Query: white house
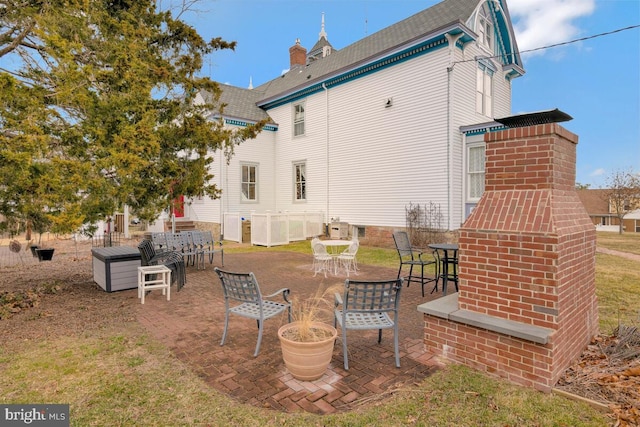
(360, 132)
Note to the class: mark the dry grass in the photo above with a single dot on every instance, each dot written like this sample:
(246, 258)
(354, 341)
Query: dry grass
(309, 311)
(627, 242)
(618, 291)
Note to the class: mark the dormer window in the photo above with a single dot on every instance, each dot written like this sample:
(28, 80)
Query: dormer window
(485, 28)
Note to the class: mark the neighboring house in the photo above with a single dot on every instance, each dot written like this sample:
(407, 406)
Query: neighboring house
(360, 132)
(604, 218)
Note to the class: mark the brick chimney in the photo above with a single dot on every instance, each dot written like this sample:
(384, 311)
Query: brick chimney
(526, 306)
(297, 55)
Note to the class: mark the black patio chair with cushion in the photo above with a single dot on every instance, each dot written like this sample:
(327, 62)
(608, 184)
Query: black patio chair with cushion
(368, 305)
(173, 260)
(412, 257)
(244, 289)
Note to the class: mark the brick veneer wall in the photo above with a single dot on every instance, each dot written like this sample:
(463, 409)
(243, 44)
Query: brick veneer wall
(527, 255)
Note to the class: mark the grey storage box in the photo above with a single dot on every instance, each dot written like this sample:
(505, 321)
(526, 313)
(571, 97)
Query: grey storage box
(339, 230)
(116, 268)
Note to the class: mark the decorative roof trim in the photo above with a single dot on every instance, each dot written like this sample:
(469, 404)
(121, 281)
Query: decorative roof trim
(482, 128)
(508, 54)
(429, 43)
(244, 123)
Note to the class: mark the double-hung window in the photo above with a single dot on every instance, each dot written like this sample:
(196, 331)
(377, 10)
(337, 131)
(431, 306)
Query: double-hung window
(300, 181)
(249, 182)
(484, 90)
(298, 119)
(475, 171)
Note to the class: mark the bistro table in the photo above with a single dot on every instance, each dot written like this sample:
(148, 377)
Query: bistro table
(334, 245)
(449, 258)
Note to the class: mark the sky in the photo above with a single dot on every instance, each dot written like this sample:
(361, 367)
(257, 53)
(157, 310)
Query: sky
(596, 81)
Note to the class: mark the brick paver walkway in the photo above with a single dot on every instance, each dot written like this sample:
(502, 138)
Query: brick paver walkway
(191, 326)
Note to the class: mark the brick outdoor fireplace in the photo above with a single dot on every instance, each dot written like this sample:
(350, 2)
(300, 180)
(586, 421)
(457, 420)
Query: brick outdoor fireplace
(526, 306)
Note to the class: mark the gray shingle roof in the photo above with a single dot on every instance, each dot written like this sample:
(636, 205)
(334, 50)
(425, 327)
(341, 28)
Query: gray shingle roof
(420, 24)
(242, 102)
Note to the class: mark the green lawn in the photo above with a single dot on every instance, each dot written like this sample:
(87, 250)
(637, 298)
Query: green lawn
(125, 378)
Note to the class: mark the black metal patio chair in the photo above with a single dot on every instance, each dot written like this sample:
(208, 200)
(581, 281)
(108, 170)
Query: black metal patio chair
(413, 257)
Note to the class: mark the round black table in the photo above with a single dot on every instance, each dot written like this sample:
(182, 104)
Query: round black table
(449, 258)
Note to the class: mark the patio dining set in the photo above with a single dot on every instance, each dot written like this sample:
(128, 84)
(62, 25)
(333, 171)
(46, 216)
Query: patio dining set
(329, 258)
(443, 259)
(365, 304)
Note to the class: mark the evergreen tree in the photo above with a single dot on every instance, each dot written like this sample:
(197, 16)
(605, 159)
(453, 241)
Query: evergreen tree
(98, 109)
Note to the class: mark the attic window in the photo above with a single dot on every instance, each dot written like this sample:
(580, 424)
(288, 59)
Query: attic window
(484, 28)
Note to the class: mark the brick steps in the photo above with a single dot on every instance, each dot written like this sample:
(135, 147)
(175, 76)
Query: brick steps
(181, 225)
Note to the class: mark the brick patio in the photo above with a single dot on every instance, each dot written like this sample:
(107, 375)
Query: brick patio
(191, 326)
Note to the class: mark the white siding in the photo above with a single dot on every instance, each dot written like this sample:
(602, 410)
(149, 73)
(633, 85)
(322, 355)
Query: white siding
(365, 162)
(260, 151)
(310, 148)
(378, 159)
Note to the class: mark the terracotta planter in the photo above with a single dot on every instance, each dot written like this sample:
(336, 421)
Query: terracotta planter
(307, 361)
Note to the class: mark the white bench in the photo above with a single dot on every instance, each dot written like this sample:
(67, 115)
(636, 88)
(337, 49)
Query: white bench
(152, 277)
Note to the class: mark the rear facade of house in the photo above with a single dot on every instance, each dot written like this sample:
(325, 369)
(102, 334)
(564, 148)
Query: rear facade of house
(359, 133)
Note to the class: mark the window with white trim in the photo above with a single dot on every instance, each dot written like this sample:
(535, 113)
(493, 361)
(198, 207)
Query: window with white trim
(249, 182)
(298, 119)
(475, 171)
(300, 181)
(484, 91)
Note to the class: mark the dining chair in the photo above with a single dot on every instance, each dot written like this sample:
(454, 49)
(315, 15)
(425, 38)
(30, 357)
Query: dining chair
(243, 288)
(347, 258)
(159, 240)
(368, 305)
(206, 247)
(189, 245)
(413, 257)
(322, 259)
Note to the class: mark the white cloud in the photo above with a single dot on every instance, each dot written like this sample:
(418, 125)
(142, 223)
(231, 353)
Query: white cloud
(598, 172)
(539, 23)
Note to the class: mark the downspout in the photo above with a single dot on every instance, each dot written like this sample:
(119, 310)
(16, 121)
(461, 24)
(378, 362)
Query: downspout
(224, 181)
(451, 40)
(326, 101)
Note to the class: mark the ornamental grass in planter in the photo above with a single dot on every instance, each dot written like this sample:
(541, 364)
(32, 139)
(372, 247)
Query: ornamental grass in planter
(307, 342)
